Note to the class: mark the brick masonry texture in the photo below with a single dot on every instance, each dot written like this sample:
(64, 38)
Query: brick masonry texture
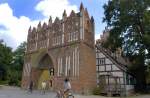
(59, 39)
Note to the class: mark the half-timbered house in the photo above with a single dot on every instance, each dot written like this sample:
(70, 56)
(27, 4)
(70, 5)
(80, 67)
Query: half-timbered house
(113, 76)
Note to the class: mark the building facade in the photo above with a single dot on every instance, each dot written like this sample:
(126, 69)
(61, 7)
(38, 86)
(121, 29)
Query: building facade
(113, 75)
(60, 49)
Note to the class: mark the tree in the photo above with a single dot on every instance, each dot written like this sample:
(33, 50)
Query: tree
(5, 60)
(129, 24)
(19, 56)
(11, 63)
(17, 64)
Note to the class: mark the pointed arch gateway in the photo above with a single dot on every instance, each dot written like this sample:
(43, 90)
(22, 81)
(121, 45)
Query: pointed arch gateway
(45, 65)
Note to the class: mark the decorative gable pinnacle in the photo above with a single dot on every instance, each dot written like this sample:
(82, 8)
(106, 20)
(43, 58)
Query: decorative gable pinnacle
(92, 19)
(72, 13)
(30, 29)
(64, 13)
(50, 20)
(39, 25)
(81, 6)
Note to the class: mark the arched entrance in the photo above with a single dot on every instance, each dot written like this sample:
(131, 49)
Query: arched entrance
(46, 68)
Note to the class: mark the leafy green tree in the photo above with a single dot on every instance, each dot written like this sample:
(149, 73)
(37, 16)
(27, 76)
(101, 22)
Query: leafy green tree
(17, 64)
(129, 24)
(11, 63)
(19, 56)
(5, 60)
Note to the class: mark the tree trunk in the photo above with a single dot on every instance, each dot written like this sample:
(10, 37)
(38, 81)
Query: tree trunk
(140, 79)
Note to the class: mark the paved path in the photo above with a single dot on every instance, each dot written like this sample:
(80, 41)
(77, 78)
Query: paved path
(12, 92)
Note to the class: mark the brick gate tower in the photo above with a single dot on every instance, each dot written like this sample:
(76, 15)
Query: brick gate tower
(60, 49)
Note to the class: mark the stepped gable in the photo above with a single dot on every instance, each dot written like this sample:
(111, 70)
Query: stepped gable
(65, 43)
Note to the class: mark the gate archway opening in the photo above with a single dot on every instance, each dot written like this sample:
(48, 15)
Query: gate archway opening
(46, 68)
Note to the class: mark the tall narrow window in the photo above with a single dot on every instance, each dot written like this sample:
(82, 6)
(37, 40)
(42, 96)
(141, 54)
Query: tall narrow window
(66, 68)
(76, 35)
(48, 42)
(68, 37)
(58, 73)
(69, 66)
(73, 63)
(81, 33)
(63, 28)
(27, 69)
(78, 62)
(62, 38)
(59, 39)
(81, 27)
(73, 36)
(61, 69)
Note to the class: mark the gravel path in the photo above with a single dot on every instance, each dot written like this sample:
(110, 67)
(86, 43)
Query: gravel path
(13, 92)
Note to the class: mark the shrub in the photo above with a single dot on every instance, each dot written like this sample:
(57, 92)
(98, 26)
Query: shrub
(96, 91)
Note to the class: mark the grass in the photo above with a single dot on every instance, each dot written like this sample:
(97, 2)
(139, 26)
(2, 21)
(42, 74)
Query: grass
(3, 82)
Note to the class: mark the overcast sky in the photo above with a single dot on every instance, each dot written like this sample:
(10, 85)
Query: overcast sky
(17, 15)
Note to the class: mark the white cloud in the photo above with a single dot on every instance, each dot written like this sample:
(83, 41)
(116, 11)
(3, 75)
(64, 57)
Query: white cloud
(55, 8)
(15, 28)
(97, 36)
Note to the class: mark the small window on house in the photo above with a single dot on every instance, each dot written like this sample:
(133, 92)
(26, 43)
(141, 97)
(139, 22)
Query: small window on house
(97, 68)
(102, 61)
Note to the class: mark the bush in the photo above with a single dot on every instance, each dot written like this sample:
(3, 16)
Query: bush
(13, 78)
(96, 91)
(3, 82)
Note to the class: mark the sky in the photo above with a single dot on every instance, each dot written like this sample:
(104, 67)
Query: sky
(16, 16)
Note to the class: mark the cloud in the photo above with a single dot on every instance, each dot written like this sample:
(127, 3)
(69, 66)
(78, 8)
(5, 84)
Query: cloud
(97, 36)
(8, 39)
(55, 8)
(12, 27)
(15, 29)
